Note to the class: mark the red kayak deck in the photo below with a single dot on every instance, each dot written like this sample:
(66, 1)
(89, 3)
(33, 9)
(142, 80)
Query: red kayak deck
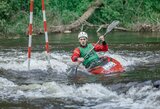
(111, 66)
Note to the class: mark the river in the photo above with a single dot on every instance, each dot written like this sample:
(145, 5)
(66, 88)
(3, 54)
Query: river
(43, 87)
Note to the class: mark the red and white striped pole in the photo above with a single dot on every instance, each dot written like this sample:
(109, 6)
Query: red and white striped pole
(46, 33)
(30, 33)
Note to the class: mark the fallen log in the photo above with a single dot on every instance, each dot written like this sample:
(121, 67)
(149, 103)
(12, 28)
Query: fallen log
(82, 20)
(78, 22)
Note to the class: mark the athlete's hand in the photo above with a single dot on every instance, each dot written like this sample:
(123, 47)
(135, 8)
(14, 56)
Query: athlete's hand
(80, 60)
(101, 38)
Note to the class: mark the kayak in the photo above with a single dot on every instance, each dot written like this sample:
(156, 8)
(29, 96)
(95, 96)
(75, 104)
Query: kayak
(107, 65)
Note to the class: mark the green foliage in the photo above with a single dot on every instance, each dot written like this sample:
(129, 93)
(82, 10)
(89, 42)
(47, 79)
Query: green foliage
(4, 12)
(82, 6)
(68, 17)
(128, 11)
(15, 13)
(68, 10)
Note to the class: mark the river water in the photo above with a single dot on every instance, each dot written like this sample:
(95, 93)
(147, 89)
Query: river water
(53, 88)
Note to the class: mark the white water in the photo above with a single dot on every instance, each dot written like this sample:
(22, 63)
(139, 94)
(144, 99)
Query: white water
(94, 95)
(16, 60)
(135, 98)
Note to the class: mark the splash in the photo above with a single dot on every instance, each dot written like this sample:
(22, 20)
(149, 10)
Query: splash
(92, 95)
(61, 61)
(18, 61)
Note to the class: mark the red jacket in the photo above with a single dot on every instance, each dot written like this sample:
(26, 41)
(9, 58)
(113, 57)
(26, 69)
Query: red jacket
(97, 48)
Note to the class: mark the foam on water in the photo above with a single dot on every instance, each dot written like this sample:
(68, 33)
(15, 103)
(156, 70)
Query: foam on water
(59, 61)
(56, 90)
(96, 94)
(126, 61)
(5, 83)
(38, 61)
(7, 89)
(133, 58)
(93, 95)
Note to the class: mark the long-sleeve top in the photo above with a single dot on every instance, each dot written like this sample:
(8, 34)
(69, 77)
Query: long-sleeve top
(99, 47)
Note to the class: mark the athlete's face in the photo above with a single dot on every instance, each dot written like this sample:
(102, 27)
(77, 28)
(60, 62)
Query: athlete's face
(83, 41)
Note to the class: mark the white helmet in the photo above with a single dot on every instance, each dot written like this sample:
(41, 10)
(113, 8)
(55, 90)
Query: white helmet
(82, 34)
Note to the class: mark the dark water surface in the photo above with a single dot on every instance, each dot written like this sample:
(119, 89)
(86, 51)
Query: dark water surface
(55, 88)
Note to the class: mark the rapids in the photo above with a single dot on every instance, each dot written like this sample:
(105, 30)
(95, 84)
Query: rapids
(55, 87)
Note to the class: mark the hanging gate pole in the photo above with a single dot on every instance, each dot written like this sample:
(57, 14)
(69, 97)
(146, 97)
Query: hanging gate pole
(46, 33)
(30, 33)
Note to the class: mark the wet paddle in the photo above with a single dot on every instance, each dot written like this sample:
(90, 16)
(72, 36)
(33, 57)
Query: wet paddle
(109, 28)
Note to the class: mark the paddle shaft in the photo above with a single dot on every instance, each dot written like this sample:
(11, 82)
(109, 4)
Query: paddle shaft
(110, 27)
(90, 51)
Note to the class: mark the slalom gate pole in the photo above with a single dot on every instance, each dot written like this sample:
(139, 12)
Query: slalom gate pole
(30, 32)
(46, 33)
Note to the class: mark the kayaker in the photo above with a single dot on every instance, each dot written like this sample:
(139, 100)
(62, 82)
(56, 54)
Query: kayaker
(79, 53)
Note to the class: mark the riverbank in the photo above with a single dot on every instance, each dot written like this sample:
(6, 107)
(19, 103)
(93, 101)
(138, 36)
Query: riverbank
(138, 27)
(65, 16)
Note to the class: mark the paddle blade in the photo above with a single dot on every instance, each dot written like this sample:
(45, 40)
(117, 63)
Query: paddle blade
(112, 25)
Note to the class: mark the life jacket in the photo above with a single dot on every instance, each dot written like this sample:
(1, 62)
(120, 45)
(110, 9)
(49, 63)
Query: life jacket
(92, 56)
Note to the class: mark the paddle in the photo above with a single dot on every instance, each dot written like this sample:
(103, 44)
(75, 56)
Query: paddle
(109, 28)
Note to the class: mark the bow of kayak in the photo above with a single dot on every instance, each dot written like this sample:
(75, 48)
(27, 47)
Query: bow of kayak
(109, 66)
